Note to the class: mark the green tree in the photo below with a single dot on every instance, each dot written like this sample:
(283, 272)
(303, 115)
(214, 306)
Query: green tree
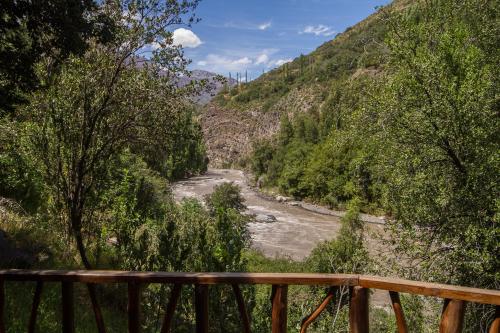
(101, 103)
(32, 29)
(225, 196)
(440, 126)
(262, 154)
(286, 130)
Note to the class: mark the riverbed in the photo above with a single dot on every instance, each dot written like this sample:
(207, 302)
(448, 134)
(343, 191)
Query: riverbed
(282, 229)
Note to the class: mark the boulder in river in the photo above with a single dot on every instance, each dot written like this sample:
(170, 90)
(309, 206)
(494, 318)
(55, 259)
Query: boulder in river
(281, 198)
(265, 218)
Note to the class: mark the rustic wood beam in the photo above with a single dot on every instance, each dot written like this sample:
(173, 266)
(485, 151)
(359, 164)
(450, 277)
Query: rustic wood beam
(452, 317)
(201, 306)
(312, 317)
(34, 306)
(91, 287)
(245, 320)
(2, 306)
(134, 307)
(279, 299)
(358, 310)
(170, 311)
(398, 311)
(68, 313)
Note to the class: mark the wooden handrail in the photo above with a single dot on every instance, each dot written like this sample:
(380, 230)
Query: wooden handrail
(476, 295)
(109, 276)
(485, 296)
(455, 297)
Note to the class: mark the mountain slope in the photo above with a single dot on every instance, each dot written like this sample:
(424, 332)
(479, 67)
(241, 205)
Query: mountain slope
(302, 86)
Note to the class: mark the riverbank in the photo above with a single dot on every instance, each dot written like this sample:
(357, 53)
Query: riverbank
(315, 208)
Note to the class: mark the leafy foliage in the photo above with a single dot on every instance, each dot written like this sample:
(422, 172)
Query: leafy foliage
(441, 117)
(29, 30)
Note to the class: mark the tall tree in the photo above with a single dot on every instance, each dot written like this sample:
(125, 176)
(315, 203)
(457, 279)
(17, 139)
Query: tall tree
(103, 102)
(440, 125)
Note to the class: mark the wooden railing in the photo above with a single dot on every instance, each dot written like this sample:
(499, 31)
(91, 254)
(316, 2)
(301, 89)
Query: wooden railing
(455, 298)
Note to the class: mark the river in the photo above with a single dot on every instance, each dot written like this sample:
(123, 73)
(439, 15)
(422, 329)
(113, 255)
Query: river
(295, 230)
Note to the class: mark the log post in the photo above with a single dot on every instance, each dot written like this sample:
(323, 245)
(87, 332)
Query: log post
(92, 289)
(34, 307)
(279, 298)
(398, 311)
(358, 310)
(495, 325)
(175, 294)
(2, 306)
(452, 317)
(245, 320)
(134, 307)
(201, 307)
(68, 313)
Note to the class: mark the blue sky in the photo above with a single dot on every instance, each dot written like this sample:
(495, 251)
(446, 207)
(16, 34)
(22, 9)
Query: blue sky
(256, 35)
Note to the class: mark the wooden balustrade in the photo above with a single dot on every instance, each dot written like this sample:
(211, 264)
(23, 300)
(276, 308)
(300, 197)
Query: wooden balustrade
(455, 297)
(201, 307)
(358, 310)
(68, 313)
(398, 311)
(315, 314)
(279, 300)
(2, 305)
(34, 306)
(172, 304)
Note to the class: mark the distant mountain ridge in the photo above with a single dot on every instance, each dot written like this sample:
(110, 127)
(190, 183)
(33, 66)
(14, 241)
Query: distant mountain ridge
(214, 85)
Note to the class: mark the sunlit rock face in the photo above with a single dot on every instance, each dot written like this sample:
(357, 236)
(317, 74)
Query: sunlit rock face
(229, 133)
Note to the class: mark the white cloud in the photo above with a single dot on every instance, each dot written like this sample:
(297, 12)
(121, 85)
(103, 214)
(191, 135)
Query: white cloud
(242, 61)
(252, 61)
(186, 38)
(219, 63)
(318, 30)
(248, 25)
(262, 59)
(281, 62)
(264, 26)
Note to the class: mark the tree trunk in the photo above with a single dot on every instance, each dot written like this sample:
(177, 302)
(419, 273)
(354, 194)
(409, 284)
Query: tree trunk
(76, 223)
